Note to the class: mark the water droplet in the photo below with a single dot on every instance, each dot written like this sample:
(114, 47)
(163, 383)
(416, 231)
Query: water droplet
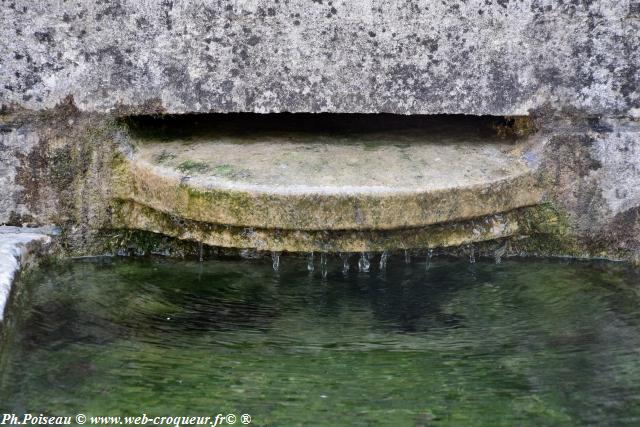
(499, 253)
(345, 262)
(201, 252)
(472, 254)
(323, 264)
(407, 257)
(429, 256)
(363, 263)
(383, 260)
(310, 265)
(275, 257)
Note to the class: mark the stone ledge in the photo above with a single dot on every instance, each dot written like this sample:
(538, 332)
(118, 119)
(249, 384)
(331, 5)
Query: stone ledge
(16, 244)
(313, 182)
(133, 216)
(471, 57)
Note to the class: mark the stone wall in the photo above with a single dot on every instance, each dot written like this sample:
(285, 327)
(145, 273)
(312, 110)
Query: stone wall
(594, 169)
(501, 57)
(56, 168)
(15, 145)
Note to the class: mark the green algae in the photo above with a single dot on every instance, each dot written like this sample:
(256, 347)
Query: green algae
(164, 157)
(128, 215)
(520, 343)
(223, 170)
(192, 166)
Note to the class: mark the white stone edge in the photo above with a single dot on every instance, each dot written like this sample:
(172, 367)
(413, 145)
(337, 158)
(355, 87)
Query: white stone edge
(15, 245)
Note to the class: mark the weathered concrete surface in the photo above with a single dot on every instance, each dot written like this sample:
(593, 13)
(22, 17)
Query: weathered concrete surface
(55, 168)
(319, 181)
(16, 245)
(594, 168)
(15, 146)
(500, 57)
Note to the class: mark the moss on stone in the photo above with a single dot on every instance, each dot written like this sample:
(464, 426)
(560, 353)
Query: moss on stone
(164, 156)
(130, 215)
(223, 170)
(550, 233)
(87, 166)
(191, 166)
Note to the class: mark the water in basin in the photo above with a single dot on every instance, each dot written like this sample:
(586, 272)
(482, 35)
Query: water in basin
(517, 343)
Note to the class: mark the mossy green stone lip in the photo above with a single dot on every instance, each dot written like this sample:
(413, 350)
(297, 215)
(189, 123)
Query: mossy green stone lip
(302, 181)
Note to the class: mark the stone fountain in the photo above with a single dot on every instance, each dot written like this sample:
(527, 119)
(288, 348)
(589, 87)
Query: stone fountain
(323, 126)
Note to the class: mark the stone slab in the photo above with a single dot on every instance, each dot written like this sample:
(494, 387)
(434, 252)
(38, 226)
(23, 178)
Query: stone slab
(15, 245)
(501, 57)
(316, 181)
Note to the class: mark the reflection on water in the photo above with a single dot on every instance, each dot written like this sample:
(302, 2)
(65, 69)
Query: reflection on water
(518, 343)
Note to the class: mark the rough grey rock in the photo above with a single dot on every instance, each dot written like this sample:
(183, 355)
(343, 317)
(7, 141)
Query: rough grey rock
(501, 57)
(595, 170)
(15, 145)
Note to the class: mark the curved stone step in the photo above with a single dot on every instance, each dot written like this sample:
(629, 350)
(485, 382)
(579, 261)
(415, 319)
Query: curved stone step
(318, 182)
(131, 215)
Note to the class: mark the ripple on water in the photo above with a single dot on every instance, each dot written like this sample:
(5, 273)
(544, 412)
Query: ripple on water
(522, 342)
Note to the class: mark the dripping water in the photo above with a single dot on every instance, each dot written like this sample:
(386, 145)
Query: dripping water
(472, 254)
(201, 252)
(344, 256)
(323, 264)
(310, 266)
(383, 260)
(407, 257)
(429, 256)
(499, 253)
(363, 263)
(275, 257)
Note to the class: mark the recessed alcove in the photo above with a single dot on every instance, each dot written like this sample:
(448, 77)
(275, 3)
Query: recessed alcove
(328, 172)
(352, 124)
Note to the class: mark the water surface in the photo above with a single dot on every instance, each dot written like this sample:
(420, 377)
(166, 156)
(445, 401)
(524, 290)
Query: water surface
(519, 343)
